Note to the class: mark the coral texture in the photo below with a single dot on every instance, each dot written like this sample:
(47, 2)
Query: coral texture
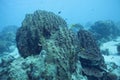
(51, 51)
(105, 30)
(35, 29)
(90, 57)
(46, 34)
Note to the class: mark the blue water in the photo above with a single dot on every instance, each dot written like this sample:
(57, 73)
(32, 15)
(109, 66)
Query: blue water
(12, 12)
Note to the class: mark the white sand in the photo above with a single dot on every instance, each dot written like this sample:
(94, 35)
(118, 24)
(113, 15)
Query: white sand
(112, 58)
(15, 53)
(112, 48)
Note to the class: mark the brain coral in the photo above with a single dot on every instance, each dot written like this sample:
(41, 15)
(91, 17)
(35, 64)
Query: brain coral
(35, 29)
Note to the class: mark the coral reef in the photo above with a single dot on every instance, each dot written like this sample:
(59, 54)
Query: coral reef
(90, 57)
(4, 66)
(36, 68)
(46, 34)
(36, 29)
(105, 30)
(51, 51)
(7, 38)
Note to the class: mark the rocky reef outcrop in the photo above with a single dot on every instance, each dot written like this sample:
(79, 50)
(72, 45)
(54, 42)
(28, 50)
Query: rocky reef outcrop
(46, 34)
(36, 29)
(4, 66)
(105, 30)
(50, 51)
(90, 56)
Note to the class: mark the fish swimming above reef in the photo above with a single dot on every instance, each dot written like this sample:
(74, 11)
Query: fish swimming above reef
(59, 12)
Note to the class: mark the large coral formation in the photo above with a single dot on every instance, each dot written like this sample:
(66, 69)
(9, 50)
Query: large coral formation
(36, 29)
(91, 59)
(45, 31)
(50, 51)
(88, 47)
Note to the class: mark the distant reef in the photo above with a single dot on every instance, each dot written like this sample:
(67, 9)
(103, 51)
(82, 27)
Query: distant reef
(7, 38)
(51, 51)
(105, 30)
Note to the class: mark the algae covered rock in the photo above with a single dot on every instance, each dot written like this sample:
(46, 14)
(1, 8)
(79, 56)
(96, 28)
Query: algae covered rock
(46, 34)
(88, 48)
(90, 57)
(26, 69)
(5, 61)
(92, 61)
(35, 29)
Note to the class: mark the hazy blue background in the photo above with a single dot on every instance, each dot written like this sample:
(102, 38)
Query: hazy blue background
(12, 12)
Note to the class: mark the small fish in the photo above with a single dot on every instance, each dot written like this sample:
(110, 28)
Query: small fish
(59, 12)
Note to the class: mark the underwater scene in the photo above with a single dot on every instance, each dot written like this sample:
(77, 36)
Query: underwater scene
(59, 39)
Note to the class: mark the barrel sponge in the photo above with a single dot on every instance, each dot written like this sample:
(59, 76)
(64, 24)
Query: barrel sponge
(35, 29)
